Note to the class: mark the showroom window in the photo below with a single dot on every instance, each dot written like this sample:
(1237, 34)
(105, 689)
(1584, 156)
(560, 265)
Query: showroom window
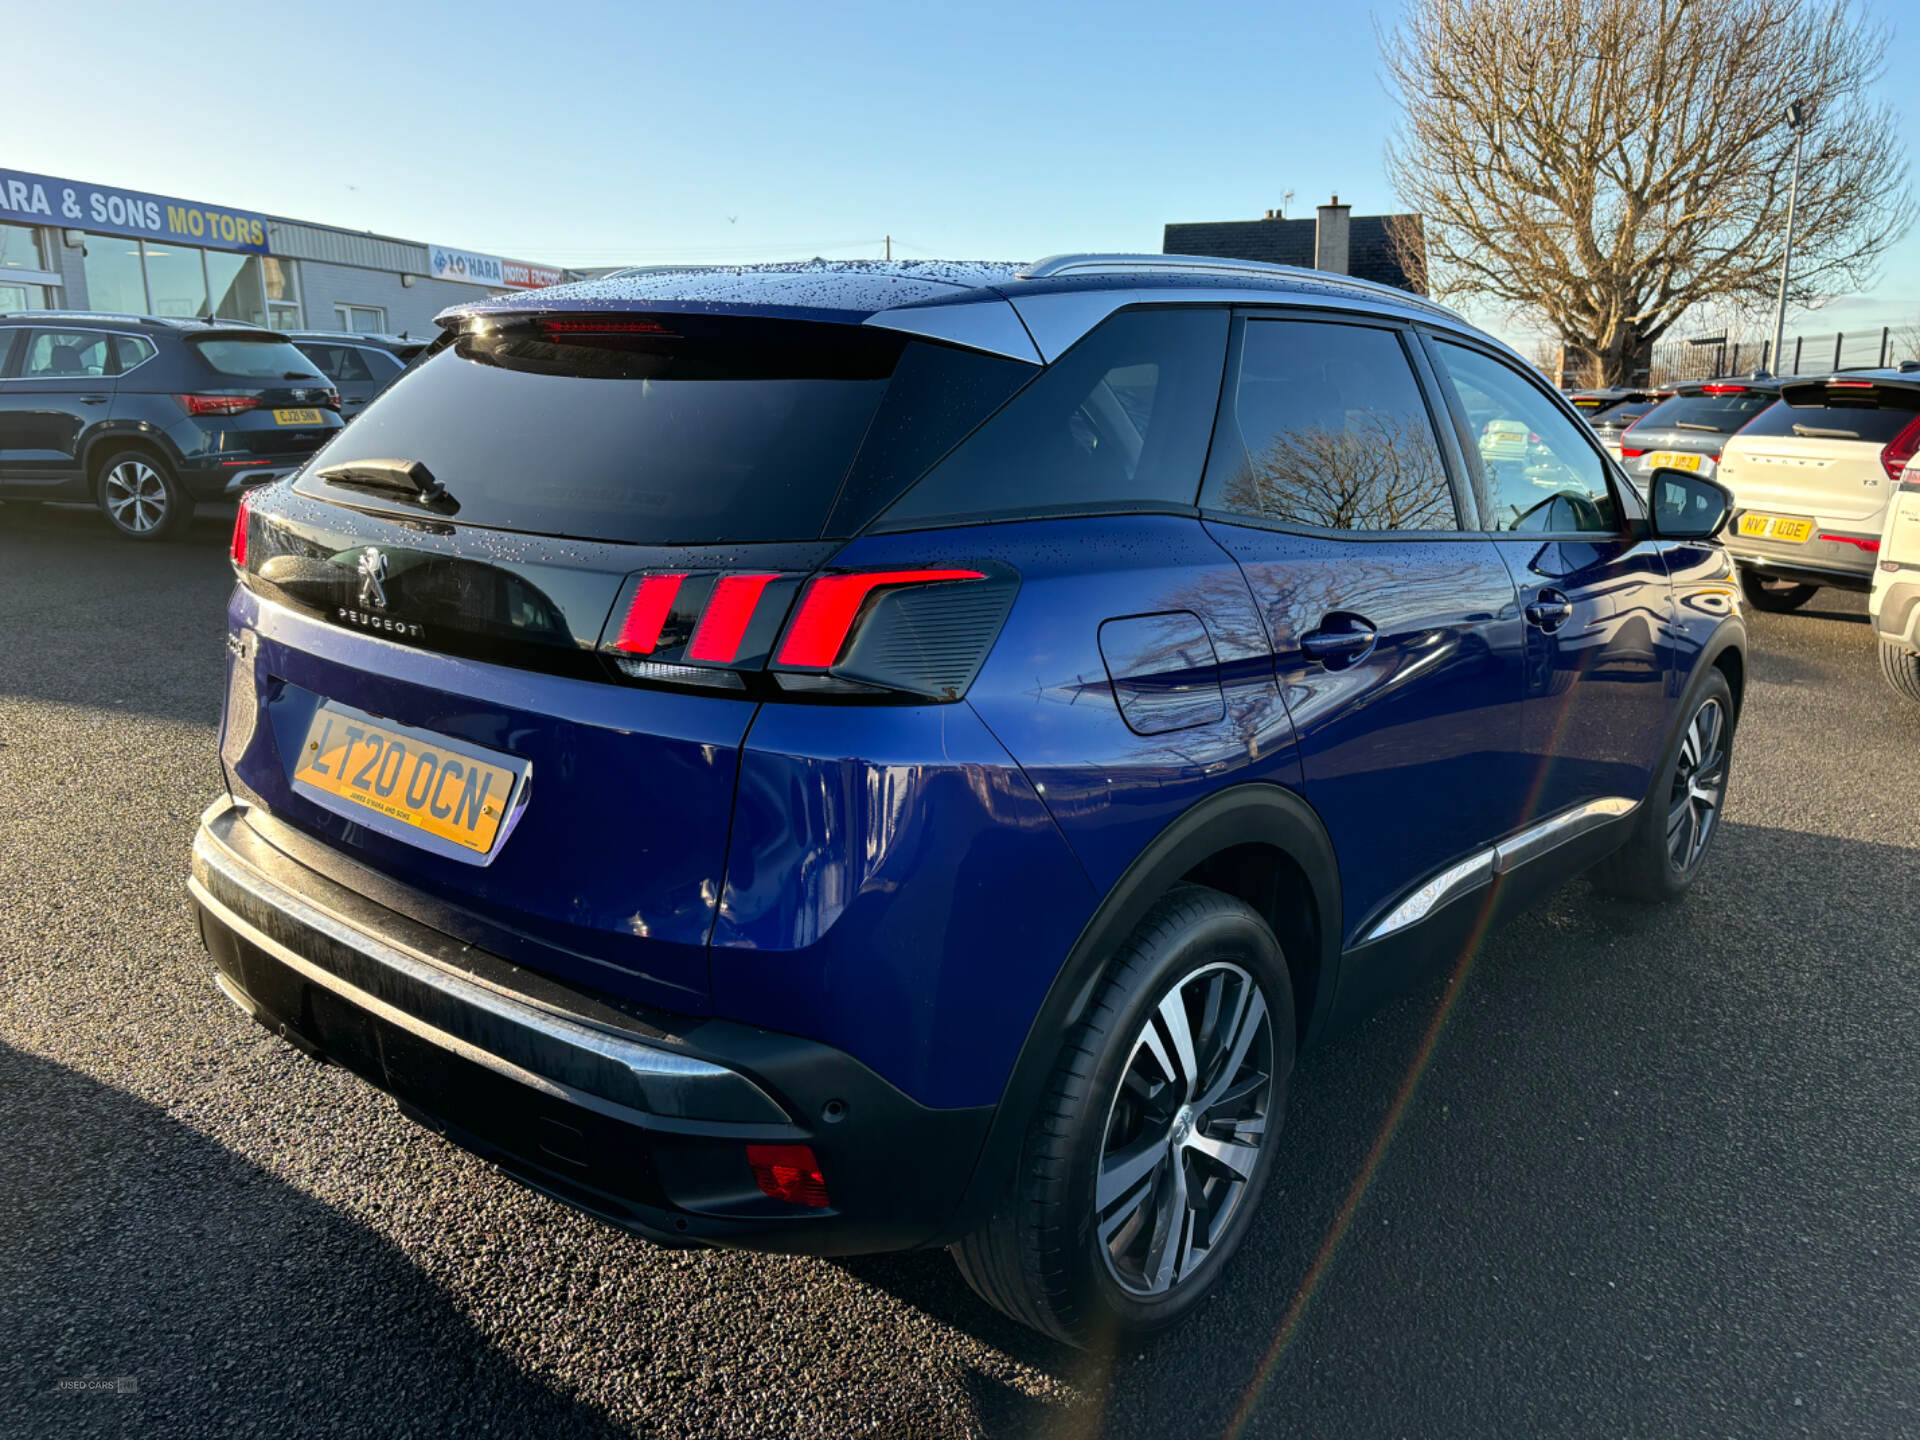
(151, 277)
(20, 250)
(361, 319)
(283, 292)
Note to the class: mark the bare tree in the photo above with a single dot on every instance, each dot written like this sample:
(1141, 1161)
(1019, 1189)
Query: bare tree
(1611, 163)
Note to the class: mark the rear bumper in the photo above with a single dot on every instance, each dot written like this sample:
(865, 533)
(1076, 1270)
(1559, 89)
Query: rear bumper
(1817, 562)
(636, 1116)
(228, 482)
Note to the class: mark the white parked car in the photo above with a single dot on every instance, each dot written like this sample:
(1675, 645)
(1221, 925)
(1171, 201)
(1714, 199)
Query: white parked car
(1895, 606)
(1811, 477)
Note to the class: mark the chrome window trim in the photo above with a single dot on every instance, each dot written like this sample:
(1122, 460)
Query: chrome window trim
(82, 330)
(1481, 867)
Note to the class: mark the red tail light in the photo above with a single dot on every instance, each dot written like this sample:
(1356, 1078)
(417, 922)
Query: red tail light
(1900, 450)
(1870, 546)
(790, 1173)
(832, 603)
(1627, 454)
(723, 624)
(217, 404)
(237, 547)
(871, 633)
(647, 614)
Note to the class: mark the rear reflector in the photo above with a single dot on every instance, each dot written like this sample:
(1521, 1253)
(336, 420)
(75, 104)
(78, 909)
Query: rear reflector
(790, 1173)
(724, 622)
(237, 547)
(1870, 546)
(1630, 454)
(217, 404)
(831, 605)
(647, 615)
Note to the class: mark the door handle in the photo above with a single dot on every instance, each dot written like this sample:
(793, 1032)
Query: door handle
(1342, 639)
(95, 399)
(1549, 610)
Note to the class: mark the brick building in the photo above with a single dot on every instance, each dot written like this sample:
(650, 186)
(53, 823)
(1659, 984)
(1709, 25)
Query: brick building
(1387, 249)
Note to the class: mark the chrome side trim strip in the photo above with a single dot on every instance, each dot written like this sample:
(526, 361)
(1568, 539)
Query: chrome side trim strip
(1480, 868)
(661, 1074)
(1469, 874)
(1567, 825)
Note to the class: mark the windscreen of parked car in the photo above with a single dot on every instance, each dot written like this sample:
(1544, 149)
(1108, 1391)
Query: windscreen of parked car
(666, 430)
(1712, 413)
(248, 358)
(1828, 422)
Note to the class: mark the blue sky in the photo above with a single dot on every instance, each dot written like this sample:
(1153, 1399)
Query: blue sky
(582, 134)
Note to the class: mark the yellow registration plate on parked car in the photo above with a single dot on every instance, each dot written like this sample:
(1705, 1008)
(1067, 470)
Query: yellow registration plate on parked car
(296, 417)
(1776, 527)
(448, 790)
(1672, 460)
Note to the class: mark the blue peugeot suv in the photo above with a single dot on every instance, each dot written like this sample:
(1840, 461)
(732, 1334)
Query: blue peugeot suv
(841, 757)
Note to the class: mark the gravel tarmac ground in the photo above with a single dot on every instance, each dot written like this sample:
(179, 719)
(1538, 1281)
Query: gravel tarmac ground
(1658, 1175)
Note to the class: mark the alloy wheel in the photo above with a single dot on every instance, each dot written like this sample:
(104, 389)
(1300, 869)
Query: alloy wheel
(1185, 1129)
(1699, 786)
(136, 497)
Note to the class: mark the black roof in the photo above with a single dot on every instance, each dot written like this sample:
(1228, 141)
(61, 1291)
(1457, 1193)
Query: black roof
(1371, 254)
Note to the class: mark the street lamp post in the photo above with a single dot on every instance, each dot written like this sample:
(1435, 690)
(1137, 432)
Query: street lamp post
(1796, 122)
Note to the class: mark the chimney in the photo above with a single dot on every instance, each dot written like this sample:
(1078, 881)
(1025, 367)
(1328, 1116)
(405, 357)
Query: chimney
(1330, 237)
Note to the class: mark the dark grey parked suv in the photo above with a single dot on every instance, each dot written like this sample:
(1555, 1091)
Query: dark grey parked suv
(360, 366)
(143, 416)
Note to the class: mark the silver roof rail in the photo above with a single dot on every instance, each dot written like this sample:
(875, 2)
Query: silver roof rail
(1054, 265)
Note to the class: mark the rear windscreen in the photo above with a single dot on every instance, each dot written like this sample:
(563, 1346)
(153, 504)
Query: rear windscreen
(261, 359)
(1722, 414)
(679, 430)
(1830, 422)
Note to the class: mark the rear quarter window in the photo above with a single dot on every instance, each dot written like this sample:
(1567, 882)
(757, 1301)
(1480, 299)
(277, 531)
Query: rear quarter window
(261, 359)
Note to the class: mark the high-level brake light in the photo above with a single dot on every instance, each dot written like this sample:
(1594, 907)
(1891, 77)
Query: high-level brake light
(647, 616)
(831, 605)
(1723, 389)
(595, 325)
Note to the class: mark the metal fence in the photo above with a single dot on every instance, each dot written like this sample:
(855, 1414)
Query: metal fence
(1800, 354)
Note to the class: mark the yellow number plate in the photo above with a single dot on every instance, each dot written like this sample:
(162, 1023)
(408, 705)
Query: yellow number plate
(1670, 460)
(296, 417)
(1776, 527)
(431, 784)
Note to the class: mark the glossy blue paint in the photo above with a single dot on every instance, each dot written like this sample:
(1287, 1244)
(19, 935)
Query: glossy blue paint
(1165, 673)
(1413, 755)
(896, 889)
(1045, 692)
(1596, 686)
(611, 876)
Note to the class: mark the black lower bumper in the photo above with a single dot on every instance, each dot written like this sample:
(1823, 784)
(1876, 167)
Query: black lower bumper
(634, 1116)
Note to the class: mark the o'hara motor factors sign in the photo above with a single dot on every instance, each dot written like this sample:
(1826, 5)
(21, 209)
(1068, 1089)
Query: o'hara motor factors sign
(75, 205)
(446, 263)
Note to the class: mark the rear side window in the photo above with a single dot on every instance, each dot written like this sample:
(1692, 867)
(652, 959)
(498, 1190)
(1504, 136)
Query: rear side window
(69, 354)
(347, 362)
(1537, 473)
(1120, 420)
(131, 350)
(667, 430)
(1829, 422)
(1716, 414)
(249, 359)
(1325, 427)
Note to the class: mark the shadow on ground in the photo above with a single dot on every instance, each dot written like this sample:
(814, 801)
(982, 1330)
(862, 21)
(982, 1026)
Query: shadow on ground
(291, 1319)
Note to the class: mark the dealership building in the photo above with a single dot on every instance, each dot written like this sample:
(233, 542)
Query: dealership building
(75, 245)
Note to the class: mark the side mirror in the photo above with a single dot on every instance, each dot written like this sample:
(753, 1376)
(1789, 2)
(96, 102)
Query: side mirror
(1686, 506)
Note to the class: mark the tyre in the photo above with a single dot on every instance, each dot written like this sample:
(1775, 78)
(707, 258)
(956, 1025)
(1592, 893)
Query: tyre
(140, 497)
(1765, 593)
(1146, 1156)
(1682, 813)
(1902, 669)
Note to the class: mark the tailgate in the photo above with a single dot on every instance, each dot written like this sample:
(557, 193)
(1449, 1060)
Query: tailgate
(1830, 479)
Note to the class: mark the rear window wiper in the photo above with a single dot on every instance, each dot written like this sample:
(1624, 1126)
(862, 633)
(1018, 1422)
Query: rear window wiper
(1696, 425)
(1815, 432)
(403, 479)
